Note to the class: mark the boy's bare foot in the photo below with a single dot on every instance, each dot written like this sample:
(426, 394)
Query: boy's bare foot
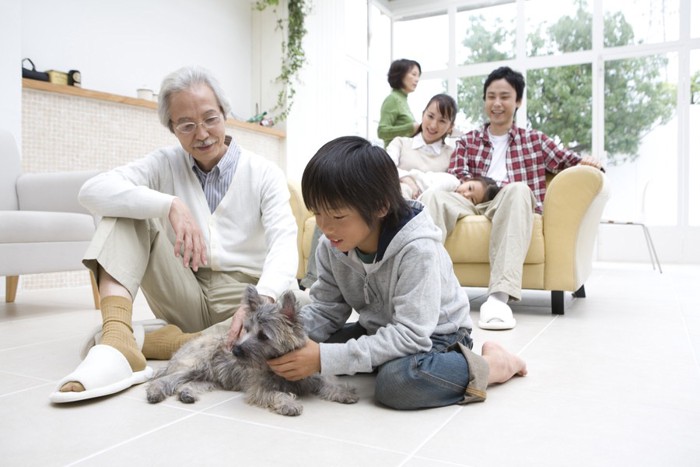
(503, 365)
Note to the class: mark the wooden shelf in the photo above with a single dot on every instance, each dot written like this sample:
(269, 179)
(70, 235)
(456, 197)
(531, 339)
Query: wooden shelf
(104, 96)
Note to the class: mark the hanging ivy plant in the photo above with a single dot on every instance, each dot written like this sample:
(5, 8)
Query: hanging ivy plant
(293, 57)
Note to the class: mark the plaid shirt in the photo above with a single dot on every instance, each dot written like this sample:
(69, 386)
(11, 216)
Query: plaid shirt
(531, 153)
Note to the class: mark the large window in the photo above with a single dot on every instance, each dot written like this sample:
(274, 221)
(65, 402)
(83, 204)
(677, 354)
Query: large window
(559, 104)
(623, 86)
(557, 27)
(641, 131)
(649, 21)
(694, 140)
(485, 34)
(470, 100)
(379, 57)
(426, 89)
(414, 37)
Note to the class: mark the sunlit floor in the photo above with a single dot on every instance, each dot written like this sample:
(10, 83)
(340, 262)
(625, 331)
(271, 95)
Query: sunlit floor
(613, 382)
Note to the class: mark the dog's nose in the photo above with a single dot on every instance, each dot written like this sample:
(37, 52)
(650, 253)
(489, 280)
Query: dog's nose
(237, 351)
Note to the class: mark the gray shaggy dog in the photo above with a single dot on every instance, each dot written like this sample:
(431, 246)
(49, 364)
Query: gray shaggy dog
(271, 330)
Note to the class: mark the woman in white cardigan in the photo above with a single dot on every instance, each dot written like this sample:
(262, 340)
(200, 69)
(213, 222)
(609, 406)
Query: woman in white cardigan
(422, 160)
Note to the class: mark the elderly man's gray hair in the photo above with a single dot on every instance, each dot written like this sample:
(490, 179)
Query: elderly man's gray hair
(183, 79)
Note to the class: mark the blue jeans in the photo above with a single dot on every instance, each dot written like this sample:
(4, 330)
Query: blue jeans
(435, 378)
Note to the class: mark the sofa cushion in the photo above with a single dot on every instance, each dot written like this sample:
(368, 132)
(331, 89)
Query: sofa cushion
(41, 226)
(52, 191)
(309, 226)
(469, 241)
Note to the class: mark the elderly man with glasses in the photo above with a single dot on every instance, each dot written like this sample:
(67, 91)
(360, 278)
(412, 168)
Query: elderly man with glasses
(191, 226)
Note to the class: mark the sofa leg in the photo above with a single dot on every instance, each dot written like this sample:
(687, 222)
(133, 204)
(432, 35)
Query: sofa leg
(580, 293)
(557, 302)
(11, 288)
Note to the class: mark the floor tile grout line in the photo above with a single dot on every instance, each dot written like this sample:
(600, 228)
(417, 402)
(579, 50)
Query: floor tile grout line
(302, 432)
(205, 412)
(144, 434)
(442, 461)
(22, 375)
(412, 454)
(186, 407)
(686, 328)
(542, 331)
(34, 344)
(689, 339)
(20, 391)
(133, 438)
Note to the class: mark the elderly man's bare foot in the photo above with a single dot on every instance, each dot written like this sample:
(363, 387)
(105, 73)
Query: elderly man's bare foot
(503, 365)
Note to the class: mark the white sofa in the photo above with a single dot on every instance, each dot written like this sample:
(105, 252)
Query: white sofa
(43, 228)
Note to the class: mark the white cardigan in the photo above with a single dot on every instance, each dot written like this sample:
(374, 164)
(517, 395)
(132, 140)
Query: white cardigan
(251, 231)
(429, 171)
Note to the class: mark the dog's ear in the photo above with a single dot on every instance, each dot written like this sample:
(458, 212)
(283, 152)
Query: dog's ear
(251, 297)
(289, 306)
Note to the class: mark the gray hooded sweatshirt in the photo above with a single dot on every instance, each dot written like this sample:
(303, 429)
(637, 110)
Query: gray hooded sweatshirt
(411, 294)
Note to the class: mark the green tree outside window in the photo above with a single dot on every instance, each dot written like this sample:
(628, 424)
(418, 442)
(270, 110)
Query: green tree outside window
(560, 99)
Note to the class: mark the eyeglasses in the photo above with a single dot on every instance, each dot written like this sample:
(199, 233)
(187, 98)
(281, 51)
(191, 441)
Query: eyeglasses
(189, 127)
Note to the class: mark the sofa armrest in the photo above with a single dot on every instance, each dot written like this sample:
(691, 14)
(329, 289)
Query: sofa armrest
(572, 210)
(52, 191)
(301, 214)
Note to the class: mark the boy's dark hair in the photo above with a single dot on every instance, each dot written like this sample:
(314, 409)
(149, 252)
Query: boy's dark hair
(349, 172)
(491, 187)
(398, 69)
(514, 78)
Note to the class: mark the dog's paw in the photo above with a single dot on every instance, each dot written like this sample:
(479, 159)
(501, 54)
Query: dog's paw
(348, 397)
(337, 392)
(155, 397)
(345, 395)
(290, 410)
(187, 397)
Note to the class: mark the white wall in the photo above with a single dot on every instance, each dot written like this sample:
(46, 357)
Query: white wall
(121, 45)
(331, 98)
(10, 76)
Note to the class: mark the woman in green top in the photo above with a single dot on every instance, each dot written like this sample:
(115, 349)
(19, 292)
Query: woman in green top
(396, 118)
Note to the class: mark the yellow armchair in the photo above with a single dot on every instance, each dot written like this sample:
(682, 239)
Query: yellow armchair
(560, 257)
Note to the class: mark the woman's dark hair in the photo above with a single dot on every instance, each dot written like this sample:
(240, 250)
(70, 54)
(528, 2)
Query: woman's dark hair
(349, 172)
(398, 69)
(514, 78)
(447, 108)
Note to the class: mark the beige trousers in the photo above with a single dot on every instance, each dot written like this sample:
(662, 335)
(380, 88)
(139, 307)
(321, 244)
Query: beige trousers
(511, 215)
(138, 254)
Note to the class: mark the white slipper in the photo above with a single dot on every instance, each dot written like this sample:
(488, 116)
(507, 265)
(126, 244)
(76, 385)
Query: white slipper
(104, 371)
(141, 328)
(496, 315)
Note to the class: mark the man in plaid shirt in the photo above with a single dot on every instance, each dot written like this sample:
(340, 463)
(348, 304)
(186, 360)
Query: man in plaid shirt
(517, 159)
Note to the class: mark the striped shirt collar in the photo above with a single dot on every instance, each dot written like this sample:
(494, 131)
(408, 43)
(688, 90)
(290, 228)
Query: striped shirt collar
(216, 182)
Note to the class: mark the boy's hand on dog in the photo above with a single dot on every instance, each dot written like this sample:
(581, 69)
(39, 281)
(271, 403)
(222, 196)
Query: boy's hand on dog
(298, 364)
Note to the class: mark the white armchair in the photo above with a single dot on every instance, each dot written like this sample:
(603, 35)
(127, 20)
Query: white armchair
(43, 228)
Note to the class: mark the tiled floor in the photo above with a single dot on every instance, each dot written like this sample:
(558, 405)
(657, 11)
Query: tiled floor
(614, 382)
